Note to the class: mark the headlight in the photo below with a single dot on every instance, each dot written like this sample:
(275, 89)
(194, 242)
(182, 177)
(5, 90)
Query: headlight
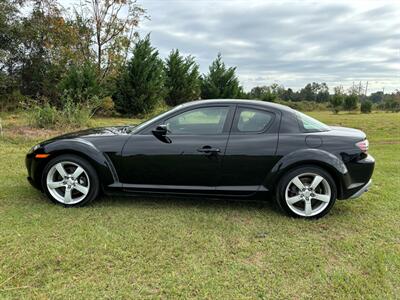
(34, 148)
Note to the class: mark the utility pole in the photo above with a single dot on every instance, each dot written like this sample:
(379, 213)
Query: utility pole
(366, 89)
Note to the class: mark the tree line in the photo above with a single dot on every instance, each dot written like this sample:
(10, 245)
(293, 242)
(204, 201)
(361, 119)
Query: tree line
(92, 57)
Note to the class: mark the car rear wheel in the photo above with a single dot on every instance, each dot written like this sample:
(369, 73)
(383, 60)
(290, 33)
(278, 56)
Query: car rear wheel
(70, 180)
(307, 192)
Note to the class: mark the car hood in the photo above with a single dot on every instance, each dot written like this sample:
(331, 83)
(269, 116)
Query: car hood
(96, 132)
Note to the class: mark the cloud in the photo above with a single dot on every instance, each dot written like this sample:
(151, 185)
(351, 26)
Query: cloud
(289, 42)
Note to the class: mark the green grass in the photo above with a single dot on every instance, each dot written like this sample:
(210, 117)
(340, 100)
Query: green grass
(183, 248)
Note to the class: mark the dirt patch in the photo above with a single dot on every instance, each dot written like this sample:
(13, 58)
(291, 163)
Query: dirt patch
(27, 132)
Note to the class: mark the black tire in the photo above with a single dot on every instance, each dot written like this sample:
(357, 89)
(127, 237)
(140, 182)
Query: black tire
(302, 170)
(94, 186)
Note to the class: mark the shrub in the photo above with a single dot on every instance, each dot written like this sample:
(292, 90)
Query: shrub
(106, 107)
(75, 114)
(11, 102)
(366, 107)
(336, 100)
(350, 102)
(269, 97)
(81, 82)
(43, 116)
(304, 105)
(392, 102)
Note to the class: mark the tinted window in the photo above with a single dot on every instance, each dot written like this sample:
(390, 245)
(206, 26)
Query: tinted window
(206, 120)
(309, 124)
(252, 120)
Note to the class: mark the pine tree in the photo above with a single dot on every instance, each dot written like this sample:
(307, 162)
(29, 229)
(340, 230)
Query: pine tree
(182, 79)
(220, 82)
(350, 102)
(336, 100)
(141, 85)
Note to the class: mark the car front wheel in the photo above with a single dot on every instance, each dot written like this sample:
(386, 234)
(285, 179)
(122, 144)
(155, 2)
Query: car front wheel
(307, 192)
(70, 180)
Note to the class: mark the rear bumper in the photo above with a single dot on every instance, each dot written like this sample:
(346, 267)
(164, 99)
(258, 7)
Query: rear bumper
(358, 178)
(364, 189)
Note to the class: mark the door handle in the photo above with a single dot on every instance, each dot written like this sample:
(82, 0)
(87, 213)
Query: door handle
(208, 149)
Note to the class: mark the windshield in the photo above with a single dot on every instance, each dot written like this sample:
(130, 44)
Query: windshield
(309, 124)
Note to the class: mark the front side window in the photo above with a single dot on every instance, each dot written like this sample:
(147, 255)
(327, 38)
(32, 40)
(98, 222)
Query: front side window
(252, 120)
(308, 124)
(205, 120)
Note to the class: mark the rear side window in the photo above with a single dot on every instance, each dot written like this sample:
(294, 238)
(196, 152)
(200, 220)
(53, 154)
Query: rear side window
(308, 124)
(249, 120)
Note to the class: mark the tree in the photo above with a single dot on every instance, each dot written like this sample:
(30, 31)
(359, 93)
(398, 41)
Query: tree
(376, 97)
(10, 50)
(336, 100)
(392, 102)
(317, 92)
(350, 102)
(269, 96)
(141, 84)
(43, 40)
(366, 107)
(220, 82)
(182, 79)
(307, 93)
(258, 92)
(81, 82)
(322, 92)
(288, 95)
(113, 23)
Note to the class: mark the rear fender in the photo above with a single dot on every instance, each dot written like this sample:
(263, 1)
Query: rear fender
(318, 157)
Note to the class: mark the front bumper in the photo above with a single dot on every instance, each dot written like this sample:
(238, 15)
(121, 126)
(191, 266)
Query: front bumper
(364, 189)
(34, 168)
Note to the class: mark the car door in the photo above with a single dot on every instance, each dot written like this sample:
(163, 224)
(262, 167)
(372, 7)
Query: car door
(188, 157)
(251, 149)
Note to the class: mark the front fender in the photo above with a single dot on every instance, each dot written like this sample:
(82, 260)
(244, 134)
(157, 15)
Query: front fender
(319, 157)
(86, 150)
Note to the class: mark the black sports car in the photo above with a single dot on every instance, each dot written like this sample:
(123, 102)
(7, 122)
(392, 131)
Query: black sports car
(224, 148)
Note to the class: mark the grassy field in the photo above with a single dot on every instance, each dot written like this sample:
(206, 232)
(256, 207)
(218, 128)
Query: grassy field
(180, 248)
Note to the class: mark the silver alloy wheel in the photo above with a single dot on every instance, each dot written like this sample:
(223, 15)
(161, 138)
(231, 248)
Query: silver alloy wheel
(68, 182)
(308, 194)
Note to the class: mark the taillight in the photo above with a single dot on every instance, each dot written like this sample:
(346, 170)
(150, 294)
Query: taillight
(363, 145)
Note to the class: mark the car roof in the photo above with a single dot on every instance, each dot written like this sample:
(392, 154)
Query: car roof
(240, 101)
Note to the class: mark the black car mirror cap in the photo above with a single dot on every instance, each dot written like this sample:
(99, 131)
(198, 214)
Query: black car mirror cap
(161, 130)
(161, 133)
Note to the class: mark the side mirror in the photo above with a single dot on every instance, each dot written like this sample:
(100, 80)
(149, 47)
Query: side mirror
(161, 130)
(161, 134)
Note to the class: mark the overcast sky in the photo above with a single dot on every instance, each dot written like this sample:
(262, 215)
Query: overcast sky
(290, 43)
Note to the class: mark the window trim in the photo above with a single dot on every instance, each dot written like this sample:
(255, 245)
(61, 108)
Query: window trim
(235, 130)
